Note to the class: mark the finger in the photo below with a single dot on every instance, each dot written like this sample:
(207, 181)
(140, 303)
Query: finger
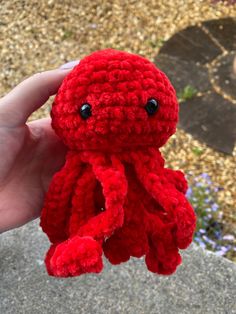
(31, 94)
(43, 124)
(49, 142)
(50, 151)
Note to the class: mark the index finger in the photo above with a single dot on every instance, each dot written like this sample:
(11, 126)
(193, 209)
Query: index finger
(31, 94)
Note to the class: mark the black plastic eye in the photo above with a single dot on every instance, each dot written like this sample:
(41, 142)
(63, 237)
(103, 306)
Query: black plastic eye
(151, 106)
(85, 111)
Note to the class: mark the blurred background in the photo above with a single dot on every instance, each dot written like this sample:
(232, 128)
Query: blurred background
(41, 35)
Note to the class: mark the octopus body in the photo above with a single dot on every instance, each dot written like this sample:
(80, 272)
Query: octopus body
(114, 111)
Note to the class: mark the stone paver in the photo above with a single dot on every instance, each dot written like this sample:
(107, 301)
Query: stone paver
(224, 31)
(202, 56)
(204, 283)
(212, 118)
(191, 44)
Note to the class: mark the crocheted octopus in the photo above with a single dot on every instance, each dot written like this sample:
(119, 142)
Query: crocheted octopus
(114, 111)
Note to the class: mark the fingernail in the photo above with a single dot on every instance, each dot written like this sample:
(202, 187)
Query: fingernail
(69, 65)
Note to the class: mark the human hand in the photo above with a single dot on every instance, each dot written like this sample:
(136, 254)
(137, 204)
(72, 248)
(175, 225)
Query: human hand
(30, 153)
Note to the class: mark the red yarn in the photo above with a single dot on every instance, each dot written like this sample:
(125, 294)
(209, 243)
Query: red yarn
(114, 194)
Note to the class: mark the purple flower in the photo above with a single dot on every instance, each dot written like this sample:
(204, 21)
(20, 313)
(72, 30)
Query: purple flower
(220, 253)
(202, 245)
(228, 237)
(224, 249)
(214, 207)
(208, 240)
(205, 175)
(198, 240)
(189, 192)
(204, 199)
(206, 178)
(217, 234)
(207, 200)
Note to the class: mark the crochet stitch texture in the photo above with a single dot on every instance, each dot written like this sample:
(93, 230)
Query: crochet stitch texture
(114, 111)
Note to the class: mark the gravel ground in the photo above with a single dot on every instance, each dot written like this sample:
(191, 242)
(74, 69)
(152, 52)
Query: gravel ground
(40, 35)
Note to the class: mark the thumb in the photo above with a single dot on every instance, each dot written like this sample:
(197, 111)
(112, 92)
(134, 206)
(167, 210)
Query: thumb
(31, 94)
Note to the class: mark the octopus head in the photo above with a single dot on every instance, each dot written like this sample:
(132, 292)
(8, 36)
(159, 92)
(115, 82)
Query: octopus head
(112, 101)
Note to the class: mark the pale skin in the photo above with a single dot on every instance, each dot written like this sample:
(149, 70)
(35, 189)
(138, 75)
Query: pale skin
(30, 152)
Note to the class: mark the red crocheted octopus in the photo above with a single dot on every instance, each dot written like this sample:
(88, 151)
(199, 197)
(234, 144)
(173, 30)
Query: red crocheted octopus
(113, 111)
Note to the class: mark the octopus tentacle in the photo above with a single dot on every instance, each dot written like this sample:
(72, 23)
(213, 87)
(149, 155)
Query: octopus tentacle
(83, 205)
(174, 203)
(74, 257)
(82, 252)
(56, 210)
(177, 178)
(111, 175)
(77, 255)
(131, 239)
(163, 256)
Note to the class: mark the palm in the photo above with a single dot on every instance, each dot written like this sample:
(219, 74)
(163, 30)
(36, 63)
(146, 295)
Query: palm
(29, 153)
(32, 154)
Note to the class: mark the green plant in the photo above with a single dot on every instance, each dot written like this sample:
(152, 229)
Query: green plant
(187, 93)
(156, 44)
(209, 234)
(197, 151)
(67, 33)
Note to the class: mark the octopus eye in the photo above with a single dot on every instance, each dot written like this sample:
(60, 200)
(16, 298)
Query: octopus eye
(151, 106)
(85, 111)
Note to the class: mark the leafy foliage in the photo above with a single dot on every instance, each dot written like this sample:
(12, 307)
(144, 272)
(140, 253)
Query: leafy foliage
(187, 93)
(210, 227)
